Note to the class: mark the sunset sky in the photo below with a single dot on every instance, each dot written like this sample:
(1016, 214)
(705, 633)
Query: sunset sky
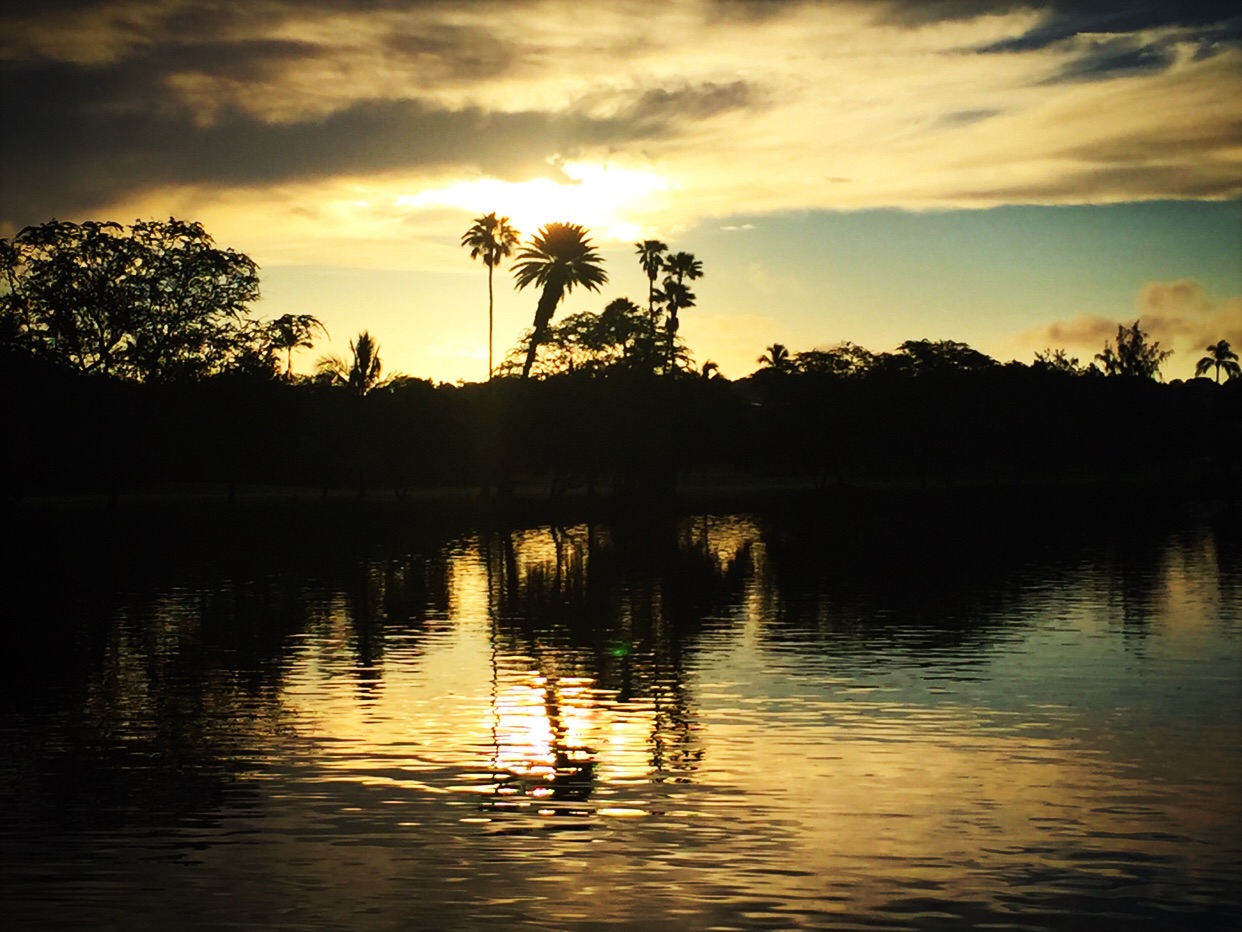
(1015, 175)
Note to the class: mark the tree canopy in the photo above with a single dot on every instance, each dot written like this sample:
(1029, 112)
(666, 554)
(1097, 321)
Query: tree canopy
(1133, 355)
(155, 301)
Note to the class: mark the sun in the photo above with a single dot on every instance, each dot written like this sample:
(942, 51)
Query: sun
(607, 200)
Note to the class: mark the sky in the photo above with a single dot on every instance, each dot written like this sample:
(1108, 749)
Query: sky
(1013, 175)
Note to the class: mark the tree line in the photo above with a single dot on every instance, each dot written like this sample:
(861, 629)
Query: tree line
(131, 357)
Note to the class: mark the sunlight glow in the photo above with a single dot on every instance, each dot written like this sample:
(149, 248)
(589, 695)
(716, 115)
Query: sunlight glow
(602, 198)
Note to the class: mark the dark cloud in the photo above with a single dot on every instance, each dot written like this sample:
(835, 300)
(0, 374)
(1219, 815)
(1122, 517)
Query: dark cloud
(80, 137)
(89, 151)
(457, 53)
(661, 107)
(1212, 24)
(1116, 57)
(1062, 19)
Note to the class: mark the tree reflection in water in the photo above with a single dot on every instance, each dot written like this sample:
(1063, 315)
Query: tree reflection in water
(591, 631)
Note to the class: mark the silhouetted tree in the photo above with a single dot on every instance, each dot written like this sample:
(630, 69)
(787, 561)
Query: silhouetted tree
(491, 239)
(942, 356)
(684, 267)
(1219, 356)
(362, 372)
(293, 331)
(156, 301)
(675, 296)
(776, 358)
(1057, 360)
(651, 257)
(559, 257)
(844, 359)
(1133, 355)
(622, 325)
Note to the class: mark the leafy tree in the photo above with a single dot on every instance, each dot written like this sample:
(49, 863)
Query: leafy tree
(844, 359)
(1219, 356)
(588, 342)
(1133, 355)
(941, 356)
(362, 372)
(156, 301)
(1057, 360)
(293, 331)
(491, 239)
(559, 257)
(622, 328)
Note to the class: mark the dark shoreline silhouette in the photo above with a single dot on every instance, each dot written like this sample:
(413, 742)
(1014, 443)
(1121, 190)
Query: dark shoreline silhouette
(636, 438)
(130, 363)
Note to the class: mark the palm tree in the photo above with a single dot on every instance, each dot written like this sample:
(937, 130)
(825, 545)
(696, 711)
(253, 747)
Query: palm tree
(775, 358)
(710, 369)
(683, 265)
(651, 258)
(559, 257)
(363, 371)
(294, 331)
(1220, 356)
(492, 239)
(675, 296)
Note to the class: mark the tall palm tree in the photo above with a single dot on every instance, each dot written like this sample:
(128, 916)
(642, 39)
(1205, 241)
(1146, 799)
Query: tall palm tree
(559, 257)
(680, 266)
(294, 331)
(651, 258)
(1220, 356)
(675, 296)
(491, 239)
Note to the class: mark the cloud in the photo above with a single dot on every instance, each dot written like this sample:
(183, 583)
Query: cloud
(1056, 20)
(1182, 297)
(105, 103)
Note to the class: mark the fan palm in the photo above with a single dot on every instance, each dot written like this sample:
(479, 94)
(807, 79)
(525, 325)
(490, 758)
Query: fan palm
(491, 239)
(560, 256)
(1220, 356)
(683, 265)
(675, 296)
(651, 258)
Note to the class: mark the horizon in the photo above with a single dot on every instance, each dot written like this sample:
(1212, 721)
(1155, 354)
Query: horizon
(1026, 179)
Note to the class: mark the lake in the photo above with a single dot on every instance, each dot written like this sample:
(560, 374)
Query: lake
(724, 721)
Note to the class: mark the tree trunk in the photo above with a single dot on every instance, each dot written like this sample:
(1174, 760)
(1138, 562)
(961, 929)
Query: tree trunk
(548, 301)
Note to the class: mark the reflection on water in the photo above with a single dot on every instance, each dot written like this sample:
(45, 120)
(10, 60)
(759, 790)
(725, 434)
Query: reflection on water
(722, 721)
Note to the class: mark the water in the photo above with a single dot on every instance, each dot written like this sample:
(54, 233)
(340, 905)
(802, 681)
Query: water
(722, 722)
